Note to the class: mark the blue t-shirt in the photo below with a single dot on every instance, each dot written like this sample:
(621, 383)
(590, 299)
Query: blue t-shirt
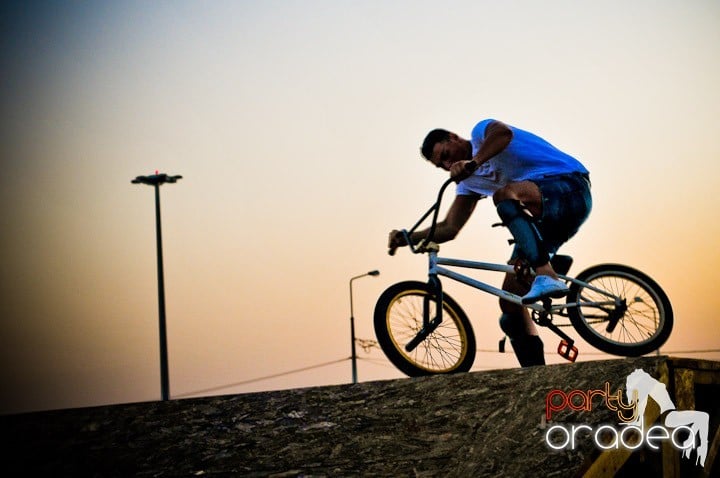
(527, 157)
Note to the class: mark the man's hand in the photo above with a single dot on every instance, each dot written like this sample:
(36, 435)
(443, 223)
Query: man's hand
(395, 240)
(462, 170)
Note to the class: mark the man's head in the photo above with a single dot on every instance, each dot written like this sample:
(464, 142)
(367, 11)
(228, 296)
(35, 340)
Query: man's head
(443, 148)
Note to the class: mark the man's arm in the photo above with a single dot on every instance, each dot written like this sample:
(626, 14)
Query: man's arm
(497, 137)
(457, 216)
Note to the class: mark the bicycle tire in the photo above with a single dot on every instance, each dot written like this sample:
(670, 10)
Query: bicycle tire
(643, 328)
(399, 316)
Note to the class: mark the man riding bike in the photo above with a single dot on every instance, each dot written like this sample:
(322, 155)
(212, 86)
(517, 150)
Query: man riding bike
(541, 194)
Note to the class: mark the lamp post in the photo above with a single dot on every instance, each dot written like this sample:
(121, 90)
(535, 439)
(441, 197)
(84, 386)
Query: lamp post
(156, 180)
(352, 323)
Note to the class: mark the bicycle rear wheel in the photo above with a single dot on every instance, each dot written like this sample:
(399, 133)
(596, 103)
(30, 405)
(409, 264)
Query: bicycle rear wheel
(399, 313)
(620, 311)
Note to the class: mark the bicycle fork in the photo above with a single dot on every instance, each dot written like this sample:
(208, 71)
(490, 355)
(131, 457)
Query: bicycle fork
(430, 323)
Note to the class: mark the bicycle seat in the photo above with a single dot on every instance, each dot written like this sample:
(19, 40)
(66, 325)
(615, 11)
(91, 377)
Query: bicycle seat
(561, 263)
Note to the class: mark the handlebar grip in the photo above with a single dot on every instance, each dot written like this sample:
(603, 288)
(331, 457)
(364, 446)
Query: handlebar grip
(406, 236)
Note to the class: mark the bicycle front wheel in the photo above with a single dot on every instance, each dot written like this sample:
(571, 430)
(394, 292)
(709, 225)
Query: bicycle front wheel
(399, 313)
(620, 310)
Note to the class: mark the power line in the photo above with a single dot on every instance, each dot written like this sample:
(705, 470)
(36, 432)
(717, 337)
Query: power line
(368, 347)
(383, 362)
(663, 352)
(260, 379)
(710, 351)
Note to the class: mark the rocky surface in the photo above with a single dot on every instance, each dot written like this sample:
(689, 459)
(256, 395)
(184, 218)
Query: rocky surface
(476, 424)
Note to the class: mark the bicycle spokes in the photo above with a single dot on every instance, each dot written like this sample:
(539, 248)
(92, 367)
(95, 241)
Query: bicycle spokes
(620, 310)
(421, 336)
(626, 323)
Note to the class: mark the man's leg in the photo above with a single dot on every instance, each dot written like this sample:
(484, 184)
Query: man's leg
(515, 321)
(511, 202)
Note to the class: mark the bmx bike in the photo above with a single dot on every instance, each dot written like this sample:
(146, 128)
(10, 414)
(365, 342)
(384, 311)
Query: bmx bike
(423, 331)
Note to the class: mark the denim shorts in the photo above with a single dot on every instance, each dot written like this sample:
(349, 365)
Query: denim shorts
(566, 204)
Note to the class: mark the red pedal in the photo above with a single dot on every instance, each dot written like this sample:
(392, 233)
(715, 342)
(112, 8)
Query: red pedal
(567, 351)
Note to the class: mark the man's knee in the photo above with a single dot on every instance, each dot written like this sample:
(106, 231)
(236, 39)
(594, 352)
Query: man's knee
(510, 309)
(513, 325)
(505, 192)
(512, 285)
(528, 348)
(526, 192)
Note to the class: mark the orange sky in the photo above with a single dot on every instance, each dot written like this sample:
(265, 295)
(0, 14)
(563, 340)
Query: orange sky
(296, 127)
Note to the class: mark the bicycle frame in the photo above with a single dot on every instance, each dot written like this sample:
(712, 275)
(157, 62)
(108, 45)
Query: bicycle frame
(435, 267)
(438, 266)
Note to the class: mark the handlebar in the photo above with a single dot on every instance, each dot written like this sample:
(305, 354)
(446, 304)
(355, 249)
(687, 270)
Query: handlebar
(434, 210)
(470, 168)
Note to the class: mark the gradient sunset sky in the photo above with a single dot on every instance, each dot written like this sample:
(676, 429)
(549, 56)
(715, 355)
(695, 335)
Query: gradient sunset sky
(296, 127)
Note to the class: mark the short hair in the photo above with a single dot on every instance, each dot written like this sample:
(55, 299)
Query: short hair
(433, 137)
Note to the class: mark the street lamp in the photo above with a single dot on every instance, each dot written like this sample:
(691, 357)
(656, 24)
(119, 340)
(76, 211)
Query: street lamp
(156, 180)
(352, 323)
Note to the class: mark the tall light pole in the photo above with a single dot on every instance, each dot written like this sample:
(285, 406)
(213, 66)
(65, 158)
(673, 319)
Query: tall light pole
(156, 180)
(352, 324)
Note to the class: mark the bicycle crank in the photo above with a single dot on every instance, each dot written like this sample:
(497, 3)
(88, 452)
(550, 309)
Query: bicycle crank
(566, 349)
(615, 316)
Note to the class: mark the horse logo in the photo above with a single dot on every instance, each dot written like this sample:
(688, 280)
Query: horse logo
(643, 386)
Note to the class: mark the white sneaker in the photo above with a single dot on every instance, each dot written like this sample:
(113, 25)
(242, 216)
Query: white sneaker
(544, 287)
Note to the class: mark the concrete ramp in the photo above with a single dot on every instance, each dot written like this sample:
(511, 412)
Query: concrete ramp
(477, 424)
